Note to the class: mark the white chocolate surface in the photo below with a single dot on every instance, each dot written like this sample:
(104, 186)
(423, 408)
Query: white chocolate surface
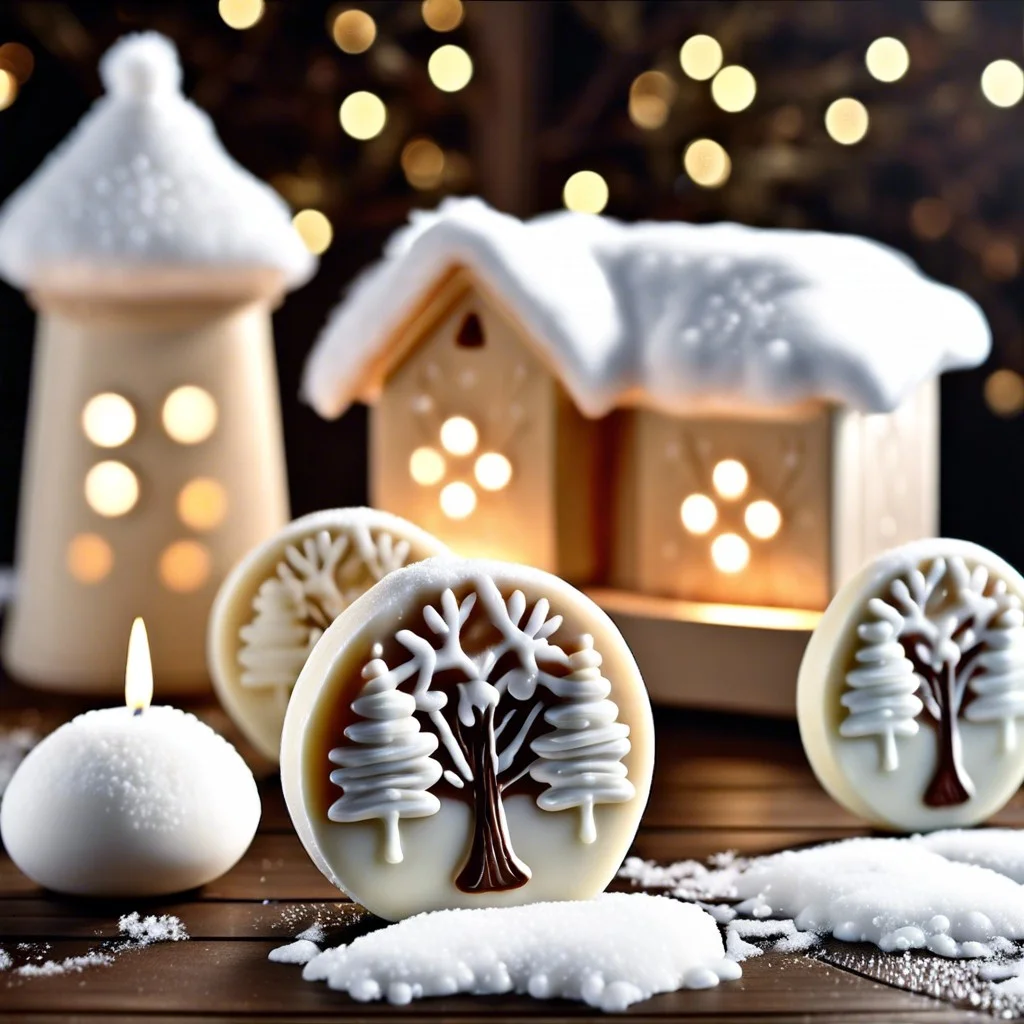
(117, 804)
(885, 764)
(561, 857)
(255, 654)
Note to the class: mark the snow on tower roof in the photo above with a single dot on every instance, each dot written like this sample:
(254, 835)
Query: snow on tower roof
(666, 315)
(143, 180)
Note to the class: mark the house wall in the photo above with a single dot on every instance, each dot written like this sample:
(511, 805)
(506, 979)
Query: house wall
(664, 460)
(886, 479)
(519, 411)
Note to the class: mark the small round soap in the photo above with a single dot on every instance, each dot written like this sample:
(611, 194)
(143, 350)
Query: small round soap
(278, 600)
(468, 734)
(120, 804)
(912, 685)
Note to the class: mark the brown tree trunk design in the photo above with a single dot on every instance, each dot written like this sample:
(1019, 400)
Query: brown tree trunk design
(492, 865)
(950, 785)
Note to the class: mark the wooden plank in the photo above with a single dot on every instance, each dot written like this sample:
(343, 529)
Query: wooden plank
(403, 1015)
(232, 977)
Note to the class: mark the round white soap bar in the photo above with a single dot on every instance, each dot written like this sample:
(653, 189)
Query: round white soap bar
(279, 599)
(121, 804)
(912, 685)
(468, 734)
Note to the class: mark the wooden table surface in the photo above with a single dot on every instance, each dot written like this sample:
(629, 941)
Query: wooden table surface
(721, 783)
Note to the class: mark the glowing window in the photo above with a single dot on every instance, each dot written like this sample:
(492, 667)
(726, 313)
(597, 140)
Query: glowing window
(492, 471)
(730, 553)
(108, 420)
(730, 478)
(698, 513)
(111, 489)
(202, 504)
(189, 414)
(763, 519)
(426, 466)
(89, 558)
(459, 435)
(458, 500)
(184, 566)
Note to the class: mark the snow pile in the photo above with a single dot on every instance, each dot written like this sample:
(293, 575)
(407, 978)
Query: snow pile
(69, 965)
(688, 879)
(1000, 849)
(667, 315)
(5, 960)
(609, 953)
(301, 951)
(144, 931)
(144, 179)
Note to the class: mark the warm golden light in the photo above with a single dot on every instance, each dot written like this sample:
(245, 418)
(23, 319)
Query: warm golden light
(930, 218)
(887, 59)
(8, 88)
(1002, 82)
(585, 192)
(138, 669)
(459, 435)
(493, 471)
(458, 500)
(19, 60)
(354, 31)
(202, 504)
(363, 115)
(450, 68)
(442, 15)
(426, 466)
(699, 514)
(423, 163)
(314, 229)
(846, 120)
(733, 88)
(240, 14)
(730, 478)
(650, 99)
(89, 558)
(763, 519)
(189, 414)
(185, 566)
(730, 553)
(707, 163)
(700, 57)
(108, 420)
(1004, 393)
(111, 489)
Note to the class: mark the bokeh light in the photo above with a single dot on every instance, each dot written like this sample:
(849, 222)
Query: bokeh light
(846, 120)
(459, 435)
(458, 500)
(1002, 82)
(426, 466)
(8, 88)
(108, 420)
(887, 59)
(585, 192)
(240, 14)
(189, 414)
(314, 229)
(185, 566)
(700, 57)
(730, 553)
(423, 163)
(763, 519)
(707, 163)
(730, 478)
(354, 31)
(698, 514)
(1004, 393)
(202, 504)
(493, 471)
(733, 89)
(442, 15)
(450, 68)
(19, 60)
(363, 115)
(111, 489)
(650, 99)
(89, 558)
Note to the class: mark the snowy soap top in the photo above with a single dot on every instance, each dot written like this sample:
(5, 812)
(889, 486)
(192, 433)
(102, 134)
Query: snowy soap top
(668, 316)
(912, 684)
(143, 180)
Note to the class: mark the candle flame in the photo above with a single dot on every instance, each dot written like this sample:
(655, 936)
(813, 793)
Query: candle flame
(138, 673)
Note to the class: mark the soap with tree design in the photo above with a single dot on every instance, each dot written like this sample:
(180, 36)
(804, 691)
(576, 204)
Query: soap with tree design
(912, 685)
(468, 734)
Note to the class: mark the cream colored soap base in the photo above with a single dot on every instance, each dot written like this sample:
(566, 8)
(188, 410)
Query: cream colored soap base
(468, 734)
(912, 684)
(277, 602)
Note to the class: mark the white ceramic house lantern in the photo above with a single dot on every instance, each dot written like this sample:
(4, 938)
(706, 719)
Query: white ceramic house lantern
(711, 427)
(154, 455)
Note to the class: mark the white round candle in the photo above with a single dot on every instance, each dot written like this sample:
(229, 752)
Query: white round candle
(132, 801)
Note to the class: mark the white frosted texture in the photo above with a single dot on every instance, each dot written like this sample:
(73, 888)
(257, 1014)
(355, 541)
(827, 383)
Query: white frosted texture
(116, 804)
(609, 953)
(668, 315)
(894, 893)
(1000, 849)
(143, 180)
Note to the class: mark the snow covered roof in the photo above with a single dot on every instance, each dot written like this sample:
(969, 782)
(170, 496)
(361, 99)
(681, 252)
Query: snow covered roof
(144, 180)
(666, 315)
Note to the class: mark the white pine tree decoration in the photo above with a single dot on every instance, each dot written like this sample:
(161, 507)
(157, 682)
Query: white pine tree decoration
(581, 761)
(386, 771)
(998, 686)
(881, 698)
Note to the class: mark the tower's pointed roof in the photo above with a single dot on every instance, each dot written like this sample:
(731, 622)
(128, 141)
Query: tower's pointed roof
(144, 181)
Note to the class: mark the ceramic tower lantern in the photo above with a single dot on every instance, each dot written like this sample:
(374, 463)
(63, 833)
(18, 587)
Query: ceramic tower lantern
(710, 427)
(154, 455)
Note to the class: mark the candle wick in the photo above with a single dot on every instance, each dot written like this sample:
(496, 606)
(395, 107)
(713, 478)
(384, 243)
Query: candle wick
(137, 712)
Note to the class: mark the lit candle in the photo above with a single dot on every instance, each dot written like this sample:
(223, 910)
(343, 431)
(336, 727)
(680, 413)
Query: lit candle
(132, 801)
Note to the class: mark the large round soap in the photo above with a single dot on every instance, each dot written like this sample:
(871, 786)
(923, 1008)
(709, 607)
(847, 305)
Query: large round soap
(118, 804)
(279, 599)
(468, 734)
(912, 685)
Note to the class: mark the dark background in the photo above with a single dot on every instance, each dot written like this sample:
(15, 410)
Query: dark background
(550, 96)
